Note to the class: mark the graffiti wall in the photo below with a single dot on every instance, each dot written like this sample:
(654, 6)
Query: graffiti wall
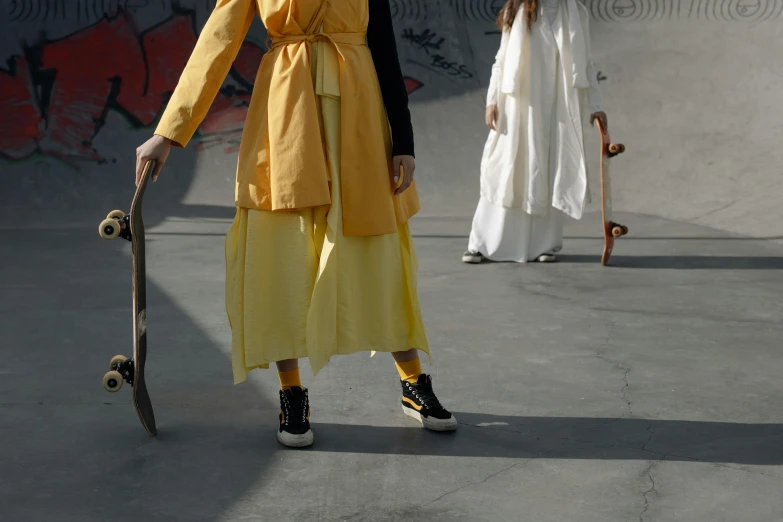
(56, 106)
(68, 62)
(72, 63)
(57, 91)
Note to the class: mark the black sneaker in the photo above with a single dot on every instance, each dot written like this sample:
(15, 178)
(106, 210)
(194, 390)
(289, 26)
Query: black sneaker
(420, 403)
(295, 429)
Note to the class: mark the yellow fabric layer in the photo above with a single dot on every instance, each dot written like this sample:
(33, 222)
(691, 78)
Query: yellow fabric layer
(282, 165)
(297, 286)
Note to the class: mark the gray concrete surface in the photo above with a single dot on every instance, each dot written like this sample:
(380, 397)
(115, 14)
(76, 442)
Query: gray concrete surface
(648, 391)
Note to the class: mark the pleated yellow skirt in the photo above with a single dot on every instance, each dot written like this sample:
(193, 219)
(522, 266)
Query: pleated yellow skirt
(296, 287)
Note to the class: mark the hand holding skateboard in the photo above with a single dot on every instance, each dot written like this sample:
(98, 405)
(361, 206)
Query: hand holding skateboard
(156, 150)
(602, 118)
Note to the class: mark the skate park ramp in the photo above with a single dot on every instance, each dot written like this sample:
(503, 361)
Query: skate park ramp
(690, 86)
(646, 391)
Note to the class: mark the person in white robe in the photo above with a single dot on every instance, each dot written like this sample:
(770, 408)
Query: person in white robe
(543, 87)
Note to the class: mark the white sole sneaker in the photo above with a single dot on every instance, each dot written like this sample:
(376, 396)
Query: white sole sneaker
(472, 258)
(295, 441)
(431, 423)
(547, 258)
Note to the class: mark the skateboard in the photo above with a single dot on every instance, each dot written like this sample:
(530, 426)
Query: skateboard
(612, 230)
(121, 369)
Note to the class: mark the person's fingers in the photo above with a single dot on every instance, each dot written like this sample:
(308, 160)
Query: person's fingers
(404, 184)
(490, 116)
(158, 164)
(602, 119)
(402, 188)
(409, 167)
(138, 167)
(397, 163)
(144, 160)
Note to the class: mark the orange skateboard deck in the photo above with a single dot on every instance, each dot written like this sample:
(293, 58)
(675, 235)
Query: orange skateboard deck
(612, 230)
(121, 369)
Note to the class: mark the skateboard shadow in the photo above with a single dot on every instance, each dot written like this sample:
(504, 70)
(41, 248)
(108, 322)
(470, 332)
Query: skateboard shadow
(496, 436)
(680, 262)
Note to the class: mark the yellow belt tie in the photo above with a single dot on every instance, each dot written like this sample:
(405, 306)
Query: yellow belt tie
(334, 38)
(324, 85)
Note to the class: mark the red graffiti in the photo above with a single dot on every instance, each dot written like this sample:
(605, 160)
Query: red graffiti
(56, 106)
(21, 123)
(412, 84)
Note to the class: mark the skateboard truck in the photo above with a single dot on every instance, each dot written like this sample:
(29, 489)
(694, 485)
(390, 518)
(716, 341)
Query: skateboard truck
(116, 224)
(617, 230)
(613, 149)
(121, 369)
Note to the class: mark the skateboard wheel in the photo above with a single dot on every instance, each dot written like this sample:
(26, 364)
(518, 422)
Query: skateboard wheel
(116, 360)
(625, 230)
(112, 381)
(616, 148)
(617, 230)
(116, 214)
(109, 228)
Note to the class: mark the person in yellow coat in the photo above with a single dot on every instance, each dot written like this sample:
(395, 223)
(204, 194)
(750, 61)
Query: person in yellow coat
(319, 258)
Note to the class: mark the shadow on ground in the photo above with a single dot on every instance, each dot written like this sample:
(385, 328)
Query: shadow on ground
(496, 436)
(686, 262)
(73, 452)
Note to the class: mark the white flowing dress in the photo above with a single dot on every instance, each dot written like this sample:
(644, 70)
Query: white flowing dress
(510, 233)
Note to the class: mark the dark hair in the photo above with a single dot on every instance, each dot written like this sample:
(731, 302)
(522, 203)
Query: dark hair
(509, 12)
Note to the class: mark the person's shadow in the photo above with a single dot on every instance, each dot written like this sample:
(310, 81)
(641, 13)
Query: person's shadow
(496, 436)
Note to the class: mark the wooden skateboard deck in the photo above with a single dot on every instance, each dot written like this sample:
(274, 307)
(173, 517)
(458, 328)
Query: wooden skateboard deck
(122, 369)
(612, 230)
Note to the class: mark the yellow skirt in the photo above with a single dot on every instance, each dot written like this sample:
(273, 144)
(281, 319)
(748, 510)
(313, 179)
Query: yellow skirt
(296, 287)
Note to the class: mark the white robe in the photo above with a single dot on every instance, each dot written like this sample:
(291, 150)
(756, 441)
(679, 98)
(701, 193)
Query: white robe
(533, 168)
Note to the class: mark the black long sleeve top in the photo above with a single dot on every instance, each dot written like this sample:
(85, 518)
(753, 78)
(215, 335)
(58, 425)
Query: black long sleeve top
(383, 47)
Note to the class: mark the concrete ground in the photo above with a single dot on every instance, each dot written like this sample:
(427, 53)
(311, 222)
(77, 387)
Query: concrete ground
(645, 391)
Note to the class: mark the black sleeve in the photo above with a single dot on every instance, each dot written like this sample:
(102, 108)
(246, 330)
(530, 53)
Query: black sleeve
(380, 40)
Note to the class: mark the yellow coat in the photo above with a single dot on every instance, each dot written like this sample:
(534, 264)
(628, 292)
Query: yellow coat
(282, 161)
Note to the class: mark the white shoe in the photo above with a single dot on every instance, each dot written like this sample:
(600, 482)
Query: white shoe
(547, 258)
(473, 258)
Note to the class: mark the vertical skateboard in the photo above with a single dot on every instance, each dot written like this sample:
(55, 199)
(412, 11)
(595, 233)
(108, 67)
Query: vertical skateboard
(122, 369)
(612, 230)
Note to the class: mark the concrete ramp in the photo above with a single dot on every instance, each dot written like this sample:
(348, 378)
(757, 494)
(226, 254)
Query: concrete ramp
(691, 86)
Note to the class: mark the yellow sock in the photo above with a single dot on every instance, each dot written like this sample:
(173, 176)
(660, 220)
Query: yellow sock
(289, 379)
(409, 370)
